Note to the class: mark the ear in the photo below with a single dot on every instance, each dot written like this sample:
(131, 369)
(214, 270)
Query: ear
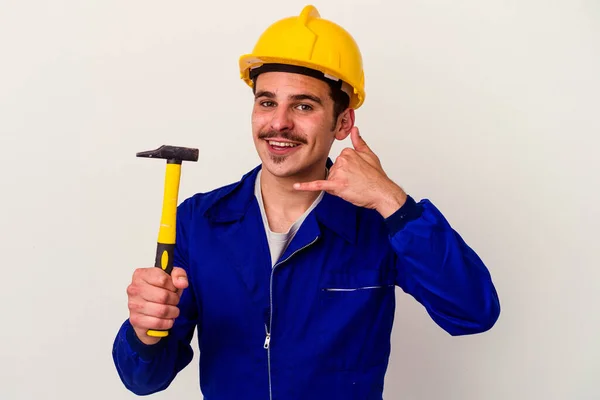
(345, 124)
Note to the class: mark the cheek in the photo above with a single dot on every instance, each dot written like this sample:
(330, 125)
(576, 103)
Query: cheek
(259, 119)
(257, 123)
(323, 136)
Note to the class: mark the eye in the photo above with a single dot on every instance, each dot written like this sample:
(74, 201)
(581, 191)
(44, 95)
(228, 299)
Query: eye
(304, 107)
(267, 103)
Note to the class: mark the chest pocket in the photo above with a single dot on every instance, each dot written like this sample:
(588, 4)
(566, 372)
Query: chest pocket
(356, 281)
(356, 315)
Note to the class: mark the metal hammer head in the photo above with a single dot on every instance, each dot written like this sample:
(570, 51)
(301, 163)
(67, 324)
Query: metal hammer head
(172, 154)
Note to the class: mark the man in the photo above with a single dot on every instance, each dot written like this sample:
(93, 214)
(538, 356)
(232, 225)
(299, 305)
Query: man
(289, 274)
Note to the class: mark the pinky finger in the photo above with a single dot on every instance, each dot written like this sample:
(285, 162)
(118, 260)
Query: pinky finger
(148, 322)
(317, 186)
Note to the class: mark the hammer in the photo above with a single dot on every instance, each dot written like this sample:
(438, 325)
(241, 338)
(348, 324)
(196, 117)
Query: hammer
(168, 222)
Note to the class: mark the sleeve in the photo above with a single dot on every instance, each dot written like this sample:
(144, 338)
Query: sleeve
(146, 369)
(436, 267)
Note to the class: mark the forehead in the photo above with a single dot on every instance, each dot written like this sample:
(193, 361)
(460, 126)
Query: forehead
(288, 83)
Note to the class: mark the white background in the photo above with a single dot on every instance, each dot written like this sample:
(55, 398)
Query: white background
(488, 108)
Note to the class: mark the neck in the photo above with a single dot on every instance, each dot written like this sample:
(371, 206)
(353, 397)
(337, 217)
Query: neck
(284, 204)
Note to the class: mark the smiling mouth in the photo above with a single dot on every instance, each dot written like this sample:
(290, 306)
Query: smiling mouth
(277, 144)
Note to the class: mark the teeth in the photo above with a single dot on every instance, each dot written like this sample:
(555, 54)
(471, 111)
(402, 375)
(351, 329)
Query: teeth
(282, 144)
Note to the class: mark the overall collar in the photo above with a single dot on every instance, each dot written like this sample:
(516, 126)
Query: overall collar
(232, 202)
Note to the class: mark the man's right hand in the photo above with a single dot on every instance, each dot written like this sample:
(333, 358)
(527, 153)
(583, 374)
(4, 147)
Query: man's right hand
(153, 297)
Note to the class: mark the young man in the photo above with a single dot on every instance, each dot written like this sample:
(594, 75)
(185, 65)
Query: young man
(289, 274)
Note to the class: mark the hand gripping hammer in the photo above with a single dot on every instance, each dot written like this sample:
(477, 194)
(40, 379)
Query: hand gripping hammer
(168, 222)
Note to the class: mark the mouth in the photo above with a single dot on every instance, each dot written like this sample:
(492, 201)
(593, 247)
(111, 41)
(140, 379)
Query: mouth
(281, 147)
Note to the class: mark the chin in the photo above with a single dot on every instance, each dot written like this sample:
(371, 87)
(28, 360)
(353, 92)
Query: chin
(286, 166)
(280, 167)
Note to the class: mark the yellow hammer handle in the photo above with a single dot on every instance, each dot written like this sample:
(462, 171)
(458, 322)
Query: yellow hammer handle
(168, 225)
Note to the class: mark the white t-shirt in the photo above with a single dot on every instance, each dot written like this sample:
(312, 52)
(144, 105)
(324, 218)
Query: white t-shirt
(278, 242)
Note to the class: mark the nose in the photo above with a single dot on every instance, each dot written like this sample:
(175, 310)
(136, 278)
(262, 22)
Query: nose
(282, 120)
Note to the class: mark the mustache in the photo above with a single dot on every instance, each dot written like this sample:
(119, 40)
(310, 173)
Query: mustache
(291, 136)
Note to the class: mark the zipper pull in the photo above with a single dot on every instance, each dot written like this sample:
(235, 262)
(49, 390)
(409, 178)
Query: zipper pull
(267, 341)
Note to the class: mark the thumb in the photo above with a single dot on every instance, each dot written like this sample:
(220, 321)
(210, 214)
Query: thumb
(358, 142)
(179, 277)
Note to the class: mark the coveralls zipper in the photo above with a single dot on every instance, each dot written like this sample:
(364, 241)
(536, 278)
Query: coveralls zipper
(267, 344)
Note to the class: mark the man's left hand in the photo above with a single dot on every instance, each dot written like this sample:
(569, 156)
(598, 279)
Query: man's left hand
(358, 177)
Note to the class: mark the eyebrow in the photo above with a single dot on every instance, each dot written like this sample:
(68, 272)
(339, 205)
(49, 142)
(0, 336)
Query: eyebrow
(295, 97)
(304, 96)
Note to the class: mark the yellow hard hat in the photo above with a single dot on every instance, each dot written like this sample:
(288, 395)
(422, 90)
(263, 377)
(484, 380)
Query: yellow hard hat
(310, 42)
